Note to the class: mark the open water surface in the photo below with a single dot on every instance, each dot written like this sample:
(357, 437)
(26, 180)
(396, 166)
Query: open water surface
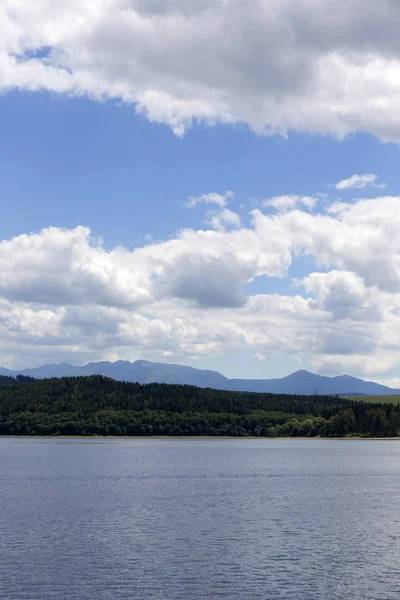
(169, 519)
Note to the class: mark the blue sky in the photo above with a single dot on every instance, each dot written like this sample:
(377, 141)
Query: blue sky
(71, 161)
(103, 155)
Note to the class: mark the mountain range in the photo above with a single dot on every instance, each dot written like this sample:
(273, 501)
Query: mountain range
(142, 371)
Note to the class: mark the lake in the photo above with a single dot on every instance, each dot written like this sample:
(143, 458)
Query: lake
(169, 519)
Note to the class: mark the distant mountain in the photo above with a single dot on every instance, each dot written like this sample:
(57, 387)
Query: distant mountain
(304, 382)
(142, 371)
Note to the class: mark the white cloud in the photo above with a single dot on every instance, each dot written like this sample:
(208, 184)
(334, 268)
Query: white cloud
(345, 295)
(63, 296)
(366, 365)
(68, 267)
(220, 200)
(224, 219)
(276, 65)
(291, 201)
(361, 238)
(359, 182)
(61, 267)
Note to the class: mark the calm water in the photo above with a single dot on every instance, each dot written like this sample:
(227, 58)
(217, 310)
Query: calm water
(199, 519)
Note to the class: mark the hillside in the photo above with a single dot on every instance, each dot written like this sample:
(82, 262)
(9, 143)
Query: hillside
(98, 405)
(141, 371)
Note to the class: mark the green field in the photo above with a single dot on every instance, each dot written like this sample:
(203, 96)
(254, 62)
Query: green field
(377, 399)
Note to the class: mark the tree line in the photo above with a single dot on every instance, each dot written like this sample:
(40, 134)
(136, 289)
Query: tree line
(5, 380)
(98, 405)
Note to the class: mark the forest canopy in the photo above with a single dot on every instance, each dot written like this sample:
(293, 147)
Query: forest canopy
(98, 405)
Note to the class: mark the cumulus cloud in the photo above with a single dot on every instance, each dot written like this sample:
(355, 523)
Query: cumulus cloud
(68, 267)
(61, 267)
(63, 296)
(276, 65)
(64, 267)
(290, 201)
(361, 238)
(344, 295)
(220, 200)
(223, 219)
(359, 182)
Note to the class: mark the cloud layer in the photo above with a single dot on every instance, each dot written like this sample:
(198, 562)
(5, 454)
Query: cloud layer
(64, 297)
(276, 65)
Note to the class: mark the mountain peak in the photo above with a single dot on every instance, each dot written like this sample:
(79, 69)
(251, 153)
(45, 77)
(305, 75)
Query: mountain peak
(302, 372)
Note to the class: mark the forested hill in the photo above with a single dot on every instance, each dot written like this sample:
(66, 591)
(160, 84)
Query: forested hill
(98, 405)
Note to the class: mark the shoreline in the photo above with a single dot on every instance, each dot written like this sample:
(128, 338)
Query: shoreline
(195, 437)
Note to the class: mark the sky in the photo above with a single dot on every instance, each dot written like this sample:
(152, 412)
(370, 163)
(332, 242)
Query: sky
(207, 182)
